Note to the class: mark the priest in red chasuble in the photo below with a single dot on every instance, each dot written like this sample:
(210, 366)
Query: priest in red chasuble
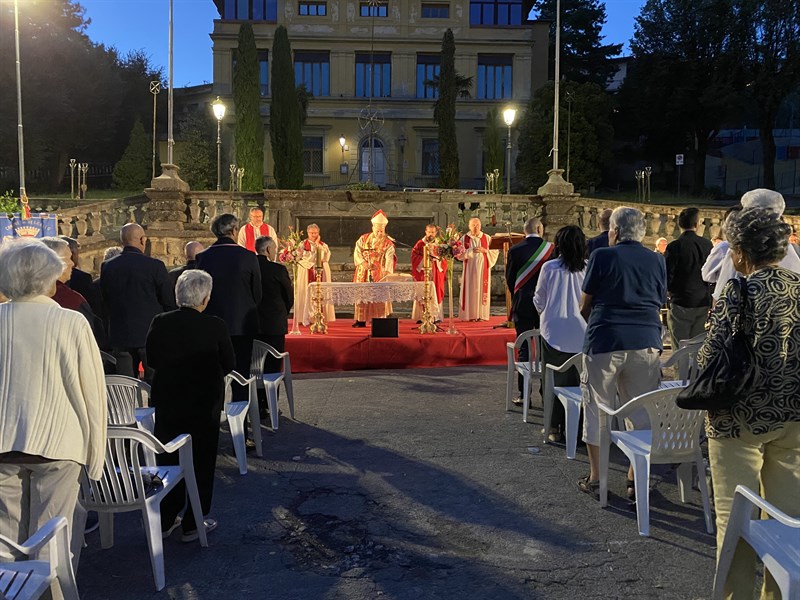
(374, 258)
(255, 229)
(476, 280)
(438, 273)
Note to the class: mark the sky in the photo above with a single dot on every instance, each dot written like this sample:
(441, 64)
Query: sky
(143, 24)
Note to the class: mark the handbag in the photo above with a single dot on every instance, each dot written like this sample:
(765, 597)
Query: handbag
(730, 374)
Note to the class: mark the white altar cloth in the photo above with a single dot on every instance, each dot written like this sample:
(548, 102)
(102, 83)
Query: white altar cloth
(341, 293)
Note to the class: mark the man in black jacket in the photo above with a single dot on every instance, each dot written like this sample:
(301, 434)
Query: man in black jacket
(81, 281)
(276, 301)
(135, 289)
(237, 290)
(192, 249)
(690, 299)
(600, 241)
(524, 263)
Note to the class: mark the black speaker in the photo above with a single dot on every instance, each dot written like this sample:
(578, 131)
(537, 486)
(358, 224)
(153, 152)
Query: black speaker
(385, 328)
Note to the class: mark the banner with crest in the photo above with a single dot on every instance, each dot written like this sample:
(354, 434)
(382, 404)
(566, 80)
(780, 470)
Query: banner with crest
(36, 226)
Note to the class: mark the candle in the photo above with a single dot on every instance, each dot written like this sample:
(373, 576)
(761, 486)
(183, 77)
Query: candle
(319, 257)
(426, 257)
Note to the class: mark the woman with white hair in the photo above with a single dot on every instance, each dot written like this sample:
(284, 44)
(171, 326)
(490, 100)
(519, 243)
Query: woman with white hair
(623, 291)
(52, 397)
(191, 353)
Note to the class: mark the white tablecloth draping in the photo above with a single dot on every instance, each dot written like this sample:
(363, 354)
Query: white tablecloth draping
(347, 293)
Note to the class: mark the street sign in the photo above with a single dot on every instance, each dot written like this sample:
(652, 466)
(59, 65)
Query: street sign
(678, 159)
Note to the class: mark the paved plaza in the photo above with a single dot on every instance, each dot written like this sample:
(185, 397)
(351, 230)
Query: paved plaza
(414, 485)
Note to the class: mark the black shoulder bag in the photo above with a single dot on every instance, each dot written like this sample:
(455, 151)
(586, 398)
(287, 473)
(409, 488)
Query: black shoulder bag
(730, 374)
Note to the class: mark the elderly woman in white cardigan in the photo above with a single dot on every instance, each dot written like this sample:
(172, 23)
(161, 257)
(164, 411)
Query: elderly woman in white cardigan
(52, 396)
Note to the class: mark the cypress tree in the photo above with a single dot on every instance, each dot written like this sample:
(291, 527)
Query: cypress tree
(247, 98)
(493, 146)
(285, 118)
(133, 170)
(445, 114)
(198, 152)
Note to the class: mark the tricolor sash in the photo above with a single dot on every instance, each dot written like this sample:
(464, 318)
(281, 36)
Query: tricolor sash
(534, 263)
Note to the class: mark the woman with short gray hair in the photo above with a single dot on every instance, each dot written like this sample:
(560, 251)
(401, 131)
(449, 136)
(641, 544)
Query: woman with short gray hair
(756, 442)
(54, 407)
(623, 291)
(193, 288)
(191, 353)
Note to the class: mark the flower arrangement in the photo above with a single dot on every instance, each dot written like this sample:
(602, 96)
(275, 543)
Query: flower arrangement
(449, 243)
(291, 247)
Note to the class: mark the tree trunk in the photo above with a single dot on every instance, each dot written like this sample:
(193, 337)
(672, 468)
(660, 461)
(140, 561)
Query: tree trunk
(768, 152)
(701, 147)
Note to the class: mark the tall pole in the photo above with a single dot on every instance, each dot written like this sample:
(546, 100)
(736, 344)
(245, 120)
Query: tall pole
(22, 193)
(155, 88)
(219, 155)
(569, 98)
(170, 139)
(557, 83)
(508, 162)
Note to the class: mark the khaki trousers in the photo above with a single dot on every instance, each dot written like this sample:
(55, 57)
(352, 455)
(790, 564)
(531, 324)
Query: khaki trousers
(684, 323)
(768, 463)
(612, 379)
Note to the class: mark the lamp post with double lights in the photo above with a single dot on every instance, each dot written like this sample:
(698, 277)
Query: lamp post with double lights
(219, 113)
(509, 115)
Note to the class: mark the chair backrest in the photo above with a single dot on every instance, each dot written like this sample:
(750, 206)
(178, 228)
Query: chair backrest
(676, 432)
(121, 483)
(260, 352)
(695, 341)
(685, 360)
(123, 395)
(533, 337)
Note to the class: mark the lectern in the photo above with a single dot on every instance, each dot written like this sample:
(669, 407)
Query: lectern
(504, 241)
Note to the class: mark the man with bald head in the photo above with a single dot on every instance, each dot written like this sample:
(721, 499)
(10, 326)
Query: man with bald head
(600, 241)
(135, 289)
(191, 249)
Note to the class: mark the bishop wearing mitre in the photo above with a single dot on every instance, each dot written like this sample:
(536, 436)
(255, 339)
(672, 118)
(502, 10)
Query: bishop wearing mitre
(315, 257)
(374, 258)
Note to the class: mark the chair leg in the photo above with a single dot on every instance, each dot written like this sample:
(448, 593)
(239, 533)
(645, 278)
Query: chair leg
(684, 474)
(272, 400)
(641, 480)
(255, 419)
(63, 567)
(287, 384)
(191, 489)
(526, 396)
(151, 514)
(703, 485)
(547, 403)
(741, 511)
(106, 529)
(603, 451)
(510, 383)
(573, 418)
(236, 425)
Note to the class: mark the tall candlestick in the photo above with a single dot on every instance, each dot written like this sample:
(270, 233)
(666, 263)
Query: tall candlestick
(426, 257)
(319, 257)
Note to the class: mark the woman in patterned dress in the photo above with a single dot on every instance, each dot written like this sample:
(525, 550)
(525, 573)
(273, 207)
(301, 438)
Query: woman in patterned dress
(756, 442)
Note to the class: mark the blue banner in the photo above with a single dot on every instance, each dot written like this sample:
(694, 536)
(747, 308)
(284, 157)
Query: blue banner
(43, 225)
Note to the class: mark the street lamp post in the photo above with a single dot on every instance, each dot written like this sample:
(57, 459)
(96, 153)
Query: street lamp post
(342, 141)
(155, 88)
(22, 195)
(219, 113)
(509, 115)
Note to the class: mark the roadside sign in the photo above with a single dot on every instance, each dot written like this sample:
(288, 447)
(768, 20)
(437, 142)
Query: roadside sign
(678, 159)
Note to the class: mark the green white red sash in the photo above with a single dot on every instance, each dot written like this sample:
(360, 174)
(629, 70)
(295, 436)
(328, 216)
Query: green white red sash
(534, 263)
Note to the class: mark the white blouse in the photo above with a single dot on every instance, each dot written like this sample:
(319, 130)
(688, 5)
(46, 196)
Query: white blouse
(558, 301)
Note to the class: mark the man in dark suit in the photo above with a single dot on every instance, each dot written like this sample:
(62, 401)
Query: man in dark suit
(523, 265)
(689, 295)
(600, 241)
(276, 300)
(237, 290)
(81, 281)
(191, 250)
(135, 289)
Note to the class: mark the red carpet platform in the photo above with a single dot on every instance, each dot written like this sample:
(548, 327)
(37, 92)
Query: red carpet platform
(345, 348)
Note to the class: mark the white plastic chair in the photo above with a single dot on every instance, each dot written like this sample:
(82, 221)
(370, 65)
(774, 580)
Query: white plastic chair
(776, 541)
(685, 360)
(28, 580)
(271, 381)
(236, 413)
(674, 437)
(128, 400)
(570, 398)
(530, 369)
(695, 341)
(121, 488)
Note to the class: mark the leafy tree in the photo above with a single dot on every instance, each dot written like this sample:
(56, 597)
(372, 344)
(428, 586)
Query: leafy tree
(590, 140)
(249, 133)
(681, 87)
(444, 113)
(286, 115)
(197, 151)
(493, 145)
(583, 55)
(133, 170)
(765, 40)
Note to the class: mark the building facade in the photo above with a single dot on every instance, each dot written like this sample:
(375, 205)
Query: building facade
(368, 67)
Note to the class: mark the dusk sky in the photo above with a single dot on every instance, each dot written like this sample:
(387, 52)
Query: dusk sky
(143, 24)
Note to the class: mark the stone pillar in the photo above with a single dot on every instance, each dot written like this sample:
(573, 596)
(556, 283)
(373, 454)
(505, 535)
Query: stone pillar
(167, 207)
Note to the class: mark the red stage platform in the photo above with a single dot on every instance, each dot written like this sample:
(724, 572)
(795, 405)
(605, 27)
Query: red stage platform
(345, 348)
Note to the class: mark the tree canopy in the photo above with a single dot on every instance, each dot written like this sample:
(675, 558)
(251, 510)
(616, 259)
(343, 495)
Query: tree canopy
(249, 131)
(445, 114)
(584, 56)
(286, 115)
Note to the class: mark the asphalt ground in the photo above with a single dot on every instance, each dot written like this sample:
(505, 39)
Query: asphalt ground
(415, 485)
